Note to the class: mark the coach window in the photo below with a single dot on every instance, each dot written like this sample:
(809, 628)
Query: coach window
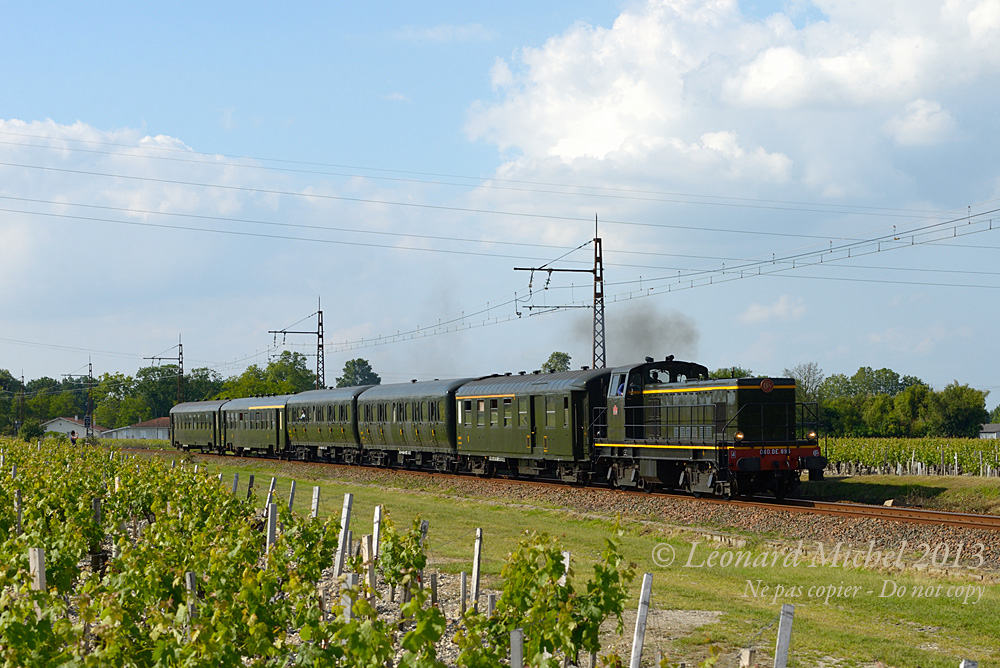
(494, 409)
(481, 412)
(550, 412)
(522, 412)
(565, 411)
(507, 411)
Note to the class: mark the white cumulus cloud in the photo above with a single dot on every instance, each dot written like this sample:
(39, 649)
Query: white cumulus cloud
(784, 309)
(923, 123)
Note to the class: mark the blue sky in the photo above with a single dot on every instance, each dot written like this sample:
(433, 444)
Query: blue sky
(210, 171)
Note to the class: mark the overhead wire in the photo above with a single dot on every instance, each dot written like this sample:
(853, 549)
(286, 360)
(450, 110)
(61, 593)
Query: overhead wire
(477, 181)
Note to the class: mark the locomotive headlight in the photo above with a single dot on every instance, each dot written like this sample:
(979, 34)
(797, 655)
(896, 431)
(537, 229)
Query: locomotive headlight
(739, 436)
(812, 435)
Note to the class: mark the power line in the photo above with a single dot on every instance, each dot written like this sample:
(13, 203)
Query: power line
(476, 181)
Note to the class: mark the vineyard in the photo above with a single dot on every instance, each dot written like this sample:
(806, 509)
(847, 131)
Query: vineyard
(938, 455)
(109, 560)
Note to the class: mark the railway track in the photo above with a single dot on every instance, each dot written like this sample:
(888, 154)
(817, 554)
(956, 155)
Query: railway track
(840, 509)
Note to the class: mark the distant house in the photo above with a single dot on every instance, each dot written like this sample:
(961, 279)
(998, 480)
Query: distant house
(989, 431)
(64, 425)
(158, 428)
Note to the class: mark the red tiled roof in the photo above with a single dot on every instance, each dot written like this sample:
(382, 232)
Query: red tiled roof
(155, 422)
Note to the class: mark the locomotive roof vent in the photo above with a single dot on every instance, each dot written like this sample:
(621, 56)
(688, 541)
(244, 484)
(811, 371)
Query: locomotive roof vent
(520, 373)
(649, 360)
(507, 374)
(585, 368)
(668, 358)
(413, 380)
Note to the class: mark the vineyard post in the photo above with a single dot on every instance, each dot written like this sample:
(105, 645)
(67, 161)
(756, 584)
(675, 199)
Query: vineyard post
(491, 604)
(220, 478)
(956, 462)
(195, 468)
(562, 580)
(980, 462)
(434, 589)
(236, 483)
(291, 497)
(36, 565)
(424, 525)
(250, 487)
(368, 555)
(517, 648)
(345, 597)
(173, 463)
(190, 582)
(345, 526)
(13, 472)
(315, 502)
(273, 485)
(377, 529)
(95, 545)
(463, 591)
(17, 509)
(640, 620)
(477, 560)
(784, 635)
(272, 524)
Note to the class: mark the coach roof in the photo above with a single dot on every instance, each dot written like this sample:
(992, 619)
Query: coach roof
(536, 383)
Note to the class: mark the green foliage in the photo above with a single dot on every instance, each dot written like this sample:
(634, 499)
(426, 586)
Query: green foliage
(881, 403)
(358, 372)
(557, 362)
(929, 451)
(808, 380)
(251, 606)
(286, 374)
(30, 430)
(731, 372)
(555, 617)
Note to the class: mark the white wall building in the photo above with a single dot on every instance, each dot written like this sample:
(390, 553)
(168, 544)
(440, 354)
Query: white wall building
(158, 428)
(64, 425)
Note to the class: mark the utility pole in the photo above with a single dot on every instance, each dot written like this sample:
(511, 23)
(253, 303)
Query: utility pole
(180, 366)
(88, 418)
(599, 362)
(20, 412)
(320, 347)
(598, 272)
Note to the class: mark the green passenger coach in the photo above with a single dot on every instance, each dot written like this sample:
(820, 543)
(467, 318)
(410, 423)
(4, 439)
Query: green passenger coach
(409, 424)
(196, 426)
(322, 424)
(530, 424)
(256, 425)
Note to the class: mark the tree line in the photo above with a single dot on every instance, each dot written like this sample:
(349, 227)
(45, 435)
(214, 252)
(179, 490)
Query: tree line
(869, 403)
(883, 403)
(120, 400)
